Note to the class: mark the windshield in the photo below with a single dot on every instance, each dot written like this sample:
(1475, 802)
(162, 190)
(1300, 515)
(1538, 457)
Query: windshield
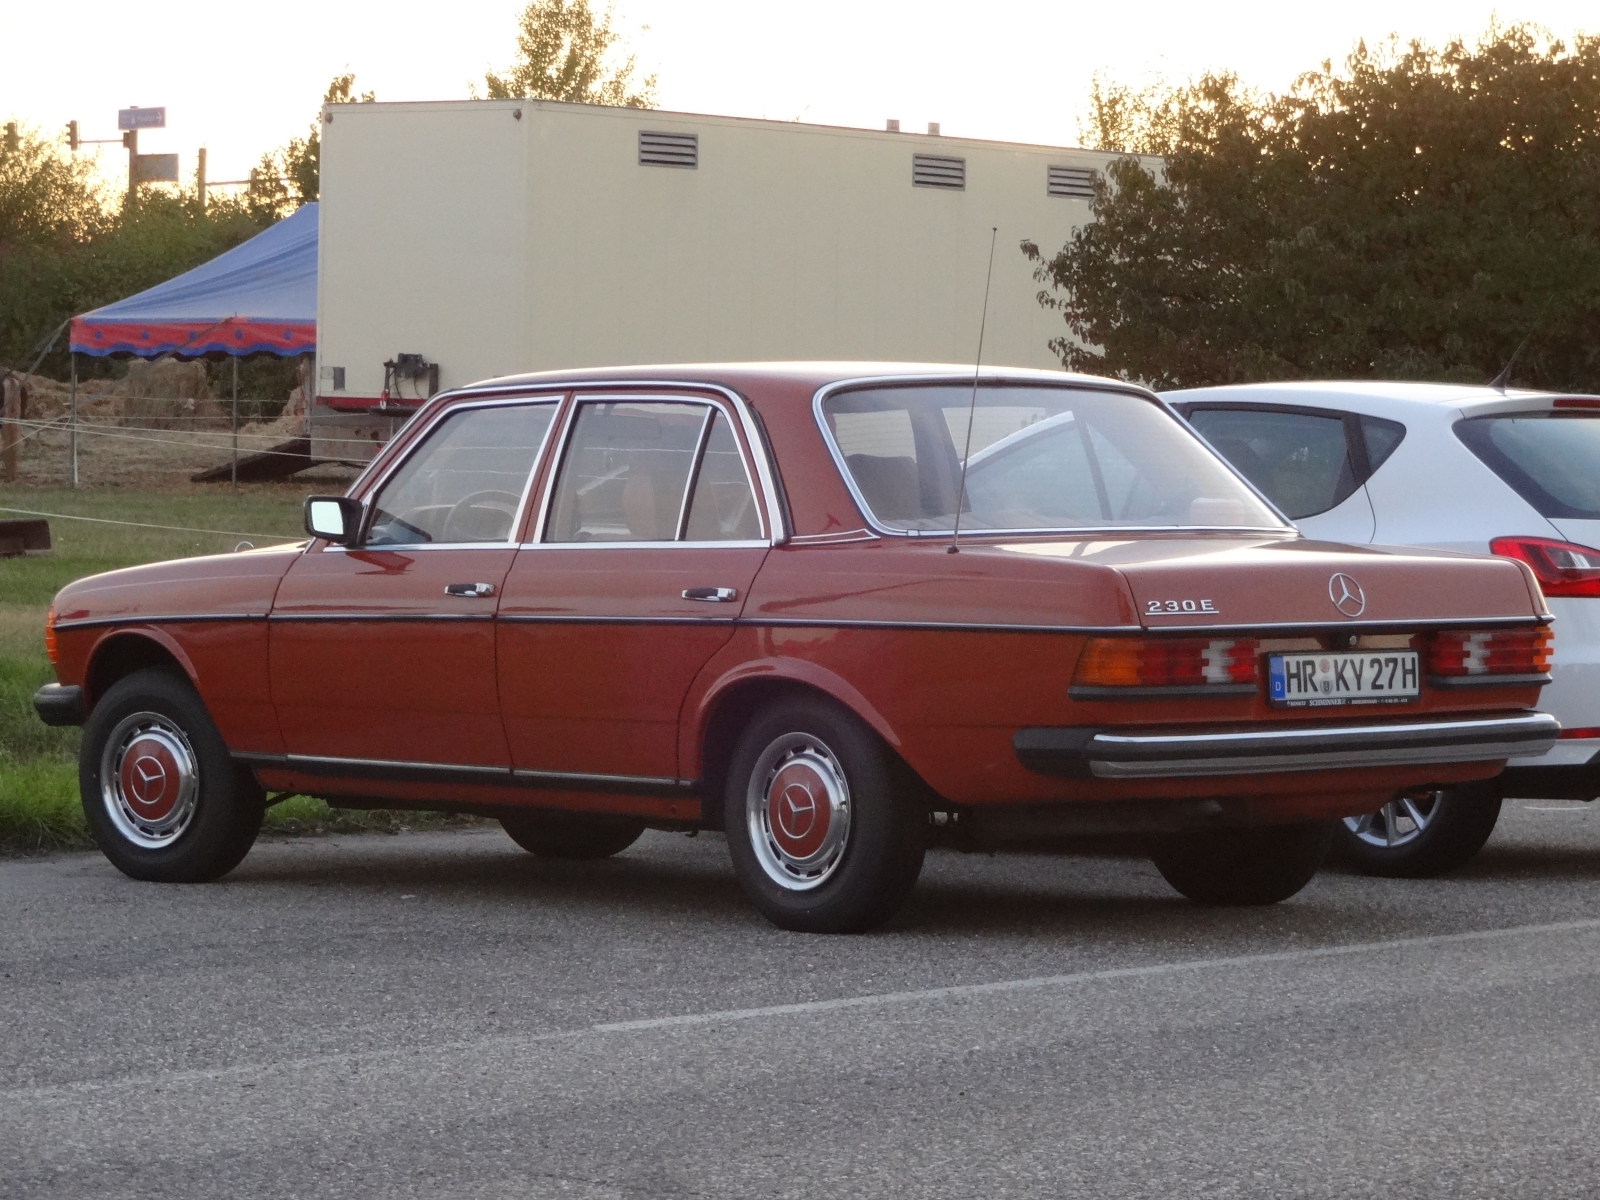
(1551, 460)
(1042, 458)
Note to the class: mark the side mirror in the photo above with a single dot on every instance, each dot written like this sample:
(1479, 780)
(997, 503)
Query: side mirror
(336, 518)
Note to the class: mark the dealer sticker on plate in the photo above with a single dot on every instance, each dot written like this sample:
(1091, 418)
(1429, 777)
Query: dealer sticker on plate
(1379, 677)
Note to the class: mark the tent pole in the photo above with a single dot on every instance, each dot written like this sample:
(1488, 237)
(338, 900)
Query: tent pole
(236, 423)
(74, 358)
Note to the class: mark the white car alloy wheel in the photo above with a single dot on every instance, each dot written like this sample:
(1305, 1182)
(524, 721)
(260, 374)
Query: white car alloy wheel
(149, 780)
(1398, 823)
(798, 808)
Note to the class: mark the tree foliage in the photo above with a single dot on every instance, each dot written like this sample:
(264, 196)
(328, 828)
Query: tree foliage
(562, 53)
(290, 176)
(1414, 214)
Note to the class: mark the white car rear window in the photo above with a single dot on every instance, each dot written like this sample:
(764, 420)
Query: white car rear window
(1551, 460)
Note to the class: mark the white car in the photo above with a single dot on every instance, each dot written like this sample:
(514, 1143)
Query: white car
(1480, 469)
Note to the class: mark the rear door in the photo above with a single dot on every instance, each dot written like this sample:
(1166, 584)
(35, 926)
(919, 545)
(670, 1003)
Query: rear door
(631, 580)
(1311, 463)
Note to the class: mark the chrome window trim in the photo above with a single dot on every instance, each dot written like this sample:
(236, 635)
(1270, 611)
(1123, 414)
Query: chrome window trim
(1030, 380)
(741, 544)
(777, 524)
(764, 492)
(444, 412)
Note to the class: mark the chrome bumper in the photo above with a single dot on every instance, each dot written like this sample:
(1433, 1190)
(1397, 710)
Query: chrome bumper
(1109, 754)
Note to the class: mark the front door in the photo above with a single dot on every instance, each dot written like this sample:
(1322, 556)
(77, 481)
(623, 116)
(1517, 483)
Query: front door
(651, 538)
(386, 650)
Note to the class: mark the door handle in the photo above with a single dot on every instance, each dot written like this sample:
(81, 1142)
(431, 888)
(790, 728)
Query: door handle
(711, 595)
(469, 589)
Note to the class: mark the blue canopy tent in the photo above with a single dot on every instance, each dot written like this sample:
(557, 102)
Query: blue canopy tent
(260, 297)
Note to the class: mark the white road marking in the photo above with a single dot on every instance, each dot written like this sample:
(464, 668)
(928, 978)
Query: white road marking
(408, 1054)
(1109, 973)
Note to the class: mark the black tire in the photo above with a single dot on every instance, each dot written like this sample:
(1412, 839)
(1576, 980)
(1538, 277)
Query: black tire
(848, 846)
(571, 835)
(150, 736)
(1455, 823)
(1242, 866)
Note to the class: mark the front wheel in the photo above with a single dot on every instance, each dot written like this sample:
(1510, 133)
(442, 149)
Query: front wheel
(823, 825)
(1242, 866)
(1420, 835)
(163, 798)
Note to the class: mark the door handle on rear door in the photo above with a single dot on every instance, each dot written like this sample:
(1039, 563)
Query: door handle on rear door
(469, 589)
(713, 595)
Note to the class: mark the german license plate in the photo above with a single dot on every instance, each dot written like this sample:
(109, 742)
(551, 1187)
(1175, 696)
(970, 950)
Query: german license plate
(1313, 680)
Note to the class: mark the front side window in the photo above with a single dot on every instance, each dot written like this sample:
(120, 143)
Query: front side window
(652, 471)
(1041, 458)
(1301, 461)
(465, 482)
(1551, 460)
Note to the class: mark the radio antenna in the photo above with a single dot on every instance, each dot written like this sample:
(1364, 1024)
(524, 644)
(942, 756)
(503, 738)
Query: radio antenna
(1500, 381)
(972, 409)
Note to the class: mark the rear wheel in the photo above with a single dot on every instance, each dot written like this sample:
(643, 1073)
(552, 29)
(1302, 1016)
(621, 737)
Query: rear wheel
(824, 828)
(1421, 834)
(1242, 866)
(162, 796)
(572, 835)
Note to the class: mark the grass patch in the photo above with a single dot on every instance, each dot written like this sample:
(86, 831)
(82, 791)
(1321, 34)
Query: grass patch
(39, 805)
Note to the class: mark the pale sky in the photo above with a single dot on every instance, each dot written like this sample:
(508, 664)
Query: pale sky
(240, 79)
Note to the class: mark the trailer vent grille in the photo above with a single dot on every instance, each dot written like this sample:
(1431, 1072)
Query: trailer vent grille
(938, 170)
(669, 149)
(1076, 182)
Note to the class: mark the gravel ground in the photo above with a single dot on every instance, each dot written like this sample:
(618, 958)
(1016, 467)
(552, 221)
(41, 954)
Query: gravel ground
(441, 1014)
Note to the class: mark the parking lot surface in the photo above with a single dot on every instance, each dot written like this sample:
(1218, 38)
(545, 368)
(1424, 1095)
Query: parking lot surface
(444, 1015)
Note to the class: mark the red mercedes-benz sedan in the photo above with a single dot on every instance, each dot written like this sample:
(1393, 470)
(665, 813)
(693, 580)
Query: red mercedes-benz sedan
(827, 608)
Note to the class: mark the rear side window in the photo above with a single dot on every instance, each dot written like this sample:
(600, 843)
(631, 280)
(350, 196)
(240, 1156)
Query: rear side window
(647, 471)
(1302, 461)
(1551, 460)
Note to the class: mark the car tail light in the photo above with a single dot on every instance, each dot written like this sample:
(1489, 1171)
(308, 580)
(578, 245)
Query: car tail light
(1165, 662)
(1456, 654)
(1581, 733)
(51, 650)
(1561, 568)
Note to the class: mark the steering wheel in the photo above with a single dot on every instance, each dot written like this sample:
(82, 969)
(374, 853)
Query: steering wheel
(460, 515)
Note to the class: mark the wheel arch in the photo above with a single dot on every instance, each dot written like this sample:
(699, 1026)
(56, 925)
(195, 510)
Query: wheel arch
(124, 651)
(725, 708)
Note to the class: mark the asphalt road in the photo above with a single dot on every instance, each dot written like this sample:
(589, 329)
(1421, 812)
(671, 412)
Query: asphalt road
(442, 1015)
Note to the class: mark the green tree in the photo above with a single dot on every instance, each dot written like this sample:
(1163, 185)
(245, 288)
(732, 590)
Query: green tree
(46, 197)
(1413, 215)
(290, 176)
(562, 48)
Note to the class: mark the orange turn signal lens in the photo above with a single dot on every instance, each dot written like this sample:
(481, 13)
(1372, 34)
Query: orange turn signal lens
(1165, 662)
(51, 650)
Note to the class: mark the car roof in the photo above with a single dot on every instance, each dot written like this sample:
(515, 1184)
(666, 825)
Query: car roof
(812, 374)
(1480, 398)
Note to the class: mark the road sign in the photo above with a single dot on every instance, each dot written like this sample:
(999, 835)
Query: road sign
(142, 118)
(155, 168)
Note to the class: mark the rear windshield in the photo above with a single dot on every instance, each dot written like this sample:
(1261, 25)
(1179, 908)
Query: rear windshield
(1041, 458)
(1551, 460)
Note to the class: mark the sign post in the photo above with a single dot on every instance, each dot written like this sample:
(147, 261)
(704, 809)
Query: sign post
(130, 121)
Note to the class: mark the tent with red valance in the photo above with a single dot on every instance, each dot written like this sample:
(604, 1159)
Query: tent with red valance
(258, 298)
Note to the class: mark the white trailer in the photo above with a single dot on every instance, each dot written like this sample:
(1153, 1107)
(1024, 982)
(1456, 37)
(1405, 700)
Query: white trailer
(482, 238)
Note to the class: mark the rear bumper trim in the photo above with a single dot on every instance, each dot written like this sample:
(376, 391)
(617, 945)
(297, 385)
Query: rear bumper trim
(1132, 754)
